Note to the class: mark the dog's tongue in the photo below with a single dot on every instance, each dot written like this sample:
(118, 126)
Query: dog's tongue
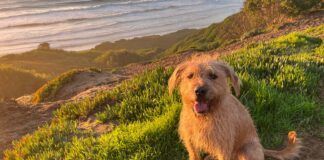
(200, 107)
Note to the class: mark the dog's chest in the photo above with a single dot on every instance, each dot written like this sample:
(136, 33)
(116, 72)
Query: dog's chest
(206, 135)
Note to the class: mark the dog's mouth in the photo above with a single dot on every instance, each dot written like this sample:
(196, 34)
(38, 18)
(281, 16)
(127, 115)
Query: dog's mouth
(200, 107)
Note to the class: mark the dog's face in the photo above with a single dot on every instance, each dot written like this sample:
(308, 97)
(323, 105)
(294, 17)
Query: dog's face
(203, 84)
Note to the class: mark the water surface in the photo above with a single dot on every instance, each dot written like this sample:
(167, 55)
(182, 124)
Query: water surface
(82, 24)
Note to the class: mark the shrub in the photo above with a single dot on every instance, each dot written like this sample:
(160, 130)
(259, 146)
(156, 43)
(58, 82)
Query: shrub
(44, 46)
(296, 7)
(292, 7)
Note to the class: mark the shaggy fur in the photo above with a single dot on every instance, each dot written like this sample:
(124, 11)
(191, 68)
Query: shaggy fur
(224, 129)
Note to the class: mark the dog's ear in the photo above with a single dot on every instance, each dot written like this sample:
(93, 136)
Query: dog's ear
(175, 78)
(232, 75)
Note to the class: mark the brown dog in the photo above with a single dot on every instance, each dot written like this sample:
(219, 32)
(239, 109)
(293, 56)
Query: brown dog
(213, 120)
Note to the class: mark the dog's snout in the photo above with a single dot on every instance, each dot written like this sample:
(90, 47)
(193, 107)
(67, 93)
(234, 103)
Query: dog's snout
(200, 91)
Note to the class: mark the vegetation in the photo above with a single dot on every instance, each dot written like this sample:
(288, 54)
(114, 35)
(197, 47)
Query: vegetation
(252, 33)
(38, 66)
(118, 58)
(216, 35)
(16, 82)
(255, 18)
(279, 87)
(48, 91)
(53, 62)
(147, 42)
(124, 52)
(292, 7)
(44, 46)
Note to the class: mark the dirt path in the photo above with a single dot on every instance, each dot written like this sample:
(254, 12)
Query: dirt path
(85, 81)
(17, 120)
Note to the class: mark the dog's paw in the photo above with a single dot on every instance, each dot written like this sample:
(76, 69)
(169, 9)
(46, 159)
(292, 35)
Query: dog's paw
(292, 137)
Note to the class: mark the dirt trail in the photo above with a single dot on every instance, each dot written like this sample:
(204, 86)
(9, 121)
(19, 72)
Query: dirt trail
(20, 117)
(85, 81)
(17, 120)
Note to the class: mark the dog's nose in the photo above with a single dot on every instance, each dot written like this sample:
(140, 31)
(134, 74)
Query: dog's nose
(200, 91)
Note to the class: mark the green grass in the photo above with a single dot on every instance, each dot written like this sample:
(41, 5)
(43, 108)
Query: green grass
(279, 78)
(48, 91)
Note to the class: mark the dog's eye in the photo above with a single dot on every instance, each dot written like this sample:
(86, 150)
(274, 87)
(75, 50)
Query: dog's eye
(212, 76)
(190, 76)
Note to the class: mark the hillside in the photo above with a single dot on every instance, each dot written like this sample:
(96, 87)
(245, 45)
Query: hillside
(255, 18)
(17, 82)
(138, 119)
(147, 42)
(51, 62)
(54, 61)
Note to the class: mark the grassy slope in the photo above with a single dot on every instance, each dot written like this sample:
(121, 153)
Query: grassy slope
(48, 91)
(44, 64)
(279, 88)
(51, 62)
(147, 42)
(16, 82)
(256, 17)
(219, 34)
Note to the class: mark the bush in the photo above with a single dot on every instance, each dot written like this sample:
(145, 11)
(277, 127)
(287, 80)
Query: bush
(44, 46)
(296, 7)
(292, 7)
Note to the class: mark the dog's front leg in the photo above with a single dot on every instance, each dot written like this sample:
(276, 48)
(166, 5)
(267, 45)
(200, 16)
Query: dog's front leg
(223, 153)
(193, 152)
(223, 157)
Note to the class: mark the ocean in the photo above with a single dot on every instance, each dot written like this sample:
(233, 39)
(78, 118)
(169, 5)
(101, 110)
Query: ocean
(82, 24)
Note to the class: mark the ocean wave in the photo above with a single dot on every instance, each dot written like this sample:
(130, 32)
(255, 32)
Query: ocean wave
(96, 32)
(85, 40)
(37, 11)
(60, 7)
(11, 23)
(121, 21)
(77, 28)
